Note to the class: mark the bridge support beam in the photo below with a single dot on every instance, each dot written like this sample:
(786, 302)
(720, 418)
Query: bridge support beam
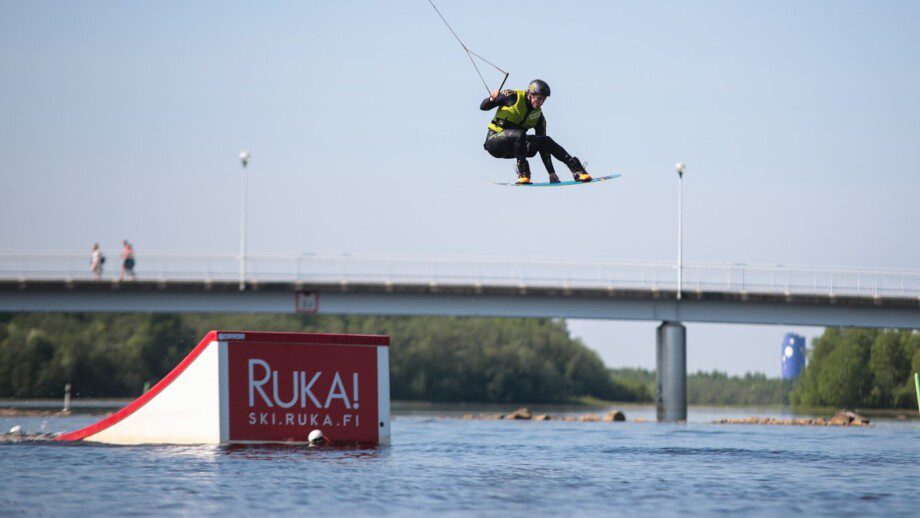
(671, 397)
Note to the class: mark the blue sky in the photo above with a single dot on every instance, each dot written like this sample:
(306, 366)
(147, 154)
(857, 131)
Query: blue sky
(799, 121)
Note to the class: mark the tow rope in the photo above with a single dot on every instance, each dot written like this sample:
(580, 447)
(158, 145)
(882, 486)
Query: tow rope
(470, 53)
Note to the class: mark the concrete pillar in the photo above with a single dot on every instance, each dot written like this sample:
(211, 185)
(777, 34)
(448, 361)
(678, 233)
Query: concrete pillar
(671, 396)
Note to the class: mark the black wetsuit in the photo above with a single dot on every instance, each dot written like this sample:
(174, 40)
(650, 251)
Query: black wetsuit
(514, 142)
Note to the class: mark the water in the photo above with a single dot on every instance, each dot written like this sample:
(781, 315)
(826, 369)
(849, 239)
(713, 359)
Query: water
(449, 465)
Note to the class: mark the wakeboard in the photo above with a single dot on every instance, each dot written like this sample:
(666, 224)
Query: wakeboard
(560, 184)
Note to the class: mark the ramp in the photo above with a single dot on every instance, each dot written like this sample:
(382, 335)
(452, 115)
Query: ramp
(242, 387)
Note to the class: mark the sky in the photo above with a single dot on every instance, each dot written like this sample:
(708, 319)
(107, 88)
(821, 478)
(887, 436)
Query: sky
(799, 122)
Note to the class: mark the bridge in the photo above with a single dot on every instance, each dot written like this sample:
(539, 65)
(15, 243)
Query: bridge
(475, 286)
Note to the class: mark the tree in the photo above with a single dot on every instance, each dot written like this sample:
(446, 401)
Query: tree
(860, 367)
(890, 368)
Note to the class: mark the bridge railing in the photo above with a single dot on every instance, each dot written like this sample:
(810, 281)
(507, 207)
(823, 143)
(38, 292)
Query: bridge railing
(470, 271)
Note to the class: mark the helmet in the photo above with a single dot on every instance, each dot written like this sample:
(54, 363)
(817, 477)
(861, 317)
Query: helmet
(538, 87)
(315, 437)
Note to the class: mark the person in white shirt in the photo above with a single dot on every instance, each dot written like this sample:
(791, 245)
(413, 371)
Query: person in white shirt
(96, 262)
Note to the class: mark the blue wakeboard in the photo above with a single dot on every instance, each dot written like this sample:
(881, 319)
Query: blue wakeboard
(560, 184)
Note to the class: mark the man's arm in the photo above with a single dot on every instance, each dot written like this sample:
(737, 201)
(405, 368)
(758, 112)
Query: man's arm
(540, 128)
(503, 98)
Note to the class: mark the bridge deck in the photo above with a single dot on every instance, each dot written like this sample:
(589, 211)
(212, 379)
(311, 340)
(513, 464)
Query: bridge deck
(461, 299)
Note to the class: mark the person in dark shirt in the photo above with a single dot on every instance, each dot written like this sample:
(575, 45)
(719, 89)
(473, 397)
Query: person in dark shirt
(519, 111)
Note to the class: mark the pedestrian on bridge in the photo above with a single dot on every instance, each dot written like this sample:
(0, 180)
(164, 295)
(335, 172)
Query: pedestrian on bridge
(127, 265)
(96, 262)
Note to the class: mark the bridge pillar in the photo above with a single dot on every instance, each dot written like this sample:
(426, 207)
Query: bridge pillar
(671, 396)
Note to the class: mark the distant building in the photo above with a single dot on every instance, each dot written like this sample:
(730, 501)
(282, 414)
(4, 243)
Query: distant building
(793, 351)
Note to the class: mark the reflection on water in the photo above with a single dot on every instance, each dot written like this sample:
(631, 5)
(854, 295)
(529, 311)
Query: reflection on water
(295, 453)
(443, 464)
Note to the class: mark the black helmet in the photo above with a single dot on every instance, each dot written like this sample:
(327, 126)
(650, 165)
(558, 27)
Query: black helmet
(538, 87)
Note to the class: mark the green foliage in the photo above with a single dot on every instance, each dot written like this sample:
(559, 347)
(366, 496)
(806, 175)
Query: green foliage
(432, 359)
(860, 368)
(640, 382)
(718, 388)
(711, 388)
(103, 355)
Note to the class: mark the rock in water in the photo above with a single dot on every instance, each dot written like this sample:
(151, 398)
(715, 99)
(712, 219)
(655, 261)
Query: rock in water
(847, 418)
(520, 413)
(614, 415)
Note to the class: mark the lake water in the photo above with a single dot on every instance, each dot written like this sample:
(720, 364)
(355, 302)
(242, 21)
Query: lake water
(447, 465)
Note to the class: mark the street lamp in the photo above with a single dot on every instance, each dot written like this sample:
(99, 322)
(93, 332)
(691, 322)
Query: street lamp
(244, 160)
(681, 167)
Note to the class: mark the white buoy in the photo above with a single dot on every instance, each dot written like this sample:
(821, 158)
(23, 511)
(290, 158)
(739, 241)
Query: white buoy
(16, 429)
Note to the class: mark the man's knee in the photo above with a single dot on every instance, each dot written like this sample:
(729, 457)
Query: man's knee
(498, 148)
(544, 142)
(501, 153)
(536, 144)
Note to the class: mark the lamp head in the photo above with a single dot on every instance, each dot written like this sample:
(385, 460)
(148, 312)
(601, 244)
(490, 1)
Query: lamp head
(244, 158)
(681, 167)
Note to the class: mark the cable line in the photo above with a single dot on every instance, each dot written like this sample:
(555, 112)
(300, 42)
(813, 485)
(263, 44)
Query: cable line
(470, 53)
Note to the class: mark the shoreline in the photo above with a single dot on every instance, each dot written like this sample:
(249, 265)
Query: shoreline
(94, 406)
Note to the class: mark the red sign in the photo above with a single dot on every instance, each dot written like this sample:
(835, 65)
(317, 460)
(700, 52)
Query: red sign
(306, 301)
(282, 391)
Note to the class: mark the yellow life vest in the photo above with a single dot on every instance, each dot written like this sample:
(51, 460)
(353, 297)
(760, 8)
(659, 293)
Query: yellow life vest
(516, 116)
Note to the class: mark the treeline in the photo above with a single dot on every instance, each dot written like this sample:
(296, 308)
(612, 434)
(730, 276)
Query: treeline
(866, 368)
(711, 388)
(443, 359)
(431, 359)
(846, 367)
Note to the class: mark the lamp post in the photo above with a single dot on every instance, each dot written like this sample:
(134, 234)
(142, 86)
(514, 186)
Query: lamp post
(244, 160)
(681, 167)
